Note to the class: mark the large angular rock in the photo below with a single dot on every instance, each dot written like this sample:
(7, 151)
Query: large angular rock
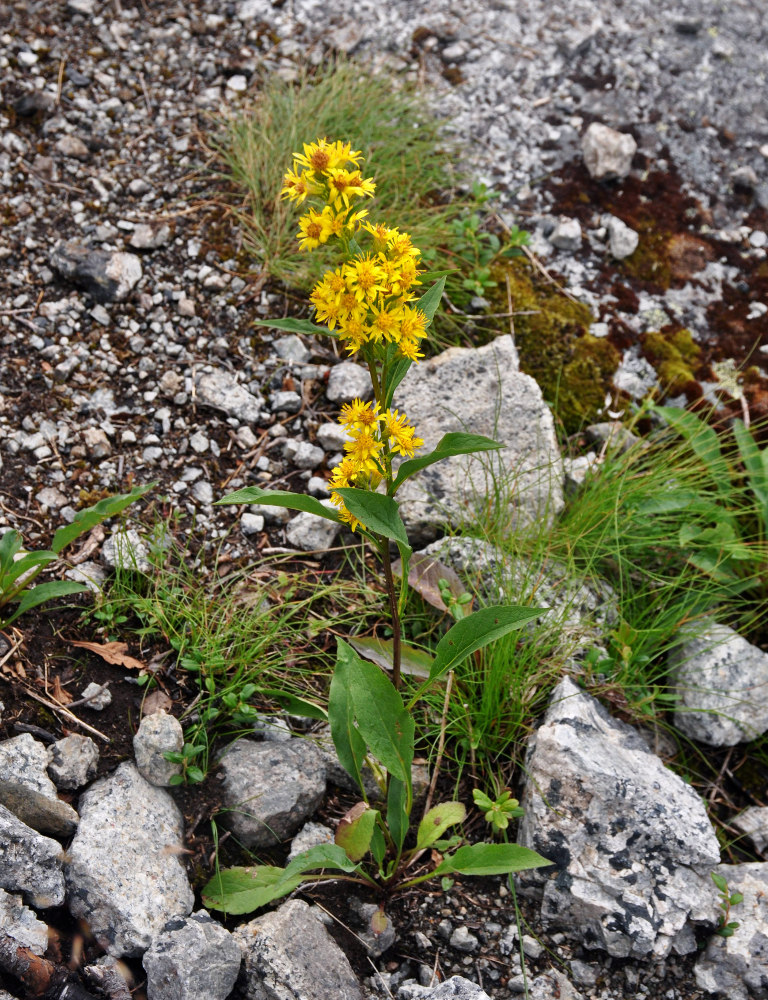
(607, 153)
(270, 789)
(20, 923)
(289, 955)
(28, 792)
(191, 958)
(30, 863)
(124, 875)
(736, 967)
(108, 277)
(754, 823)
(631, 841)
(479, 391)
(221, 391)
(722, 683)
(158, 734)
(72, 761)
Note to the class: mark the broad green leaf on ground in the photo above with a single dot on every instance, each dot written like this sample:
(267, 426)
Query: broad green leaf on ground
(293, 325)
(430, 300)
(413, 662)
(477, 630)
(280, 498)
(243, 890)
(490, 859)
(383, 721)
(455, 443)
(349, 744)
(355, 830)
(437, 821)
(89, 518)
(320, 856)
(44, 592)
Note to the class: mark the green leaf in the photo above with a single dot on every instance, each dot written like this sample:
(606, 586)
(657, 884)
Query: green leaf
(736, 898)
(349, 744)
(89, 518)
(293, 325)
(414, 662)
(490, 859)
(398, 812)
(455, 443)
(383, 721)
(756, 463)
(436, 275)
(280, 498)
(296, 706)
(44, 592)
(720, 881)
(28, 562)
(430, 300)
(242, 890)
(437, 821)
(10, 544)
(477, 630)
(378, 846)
(395, 376)
(355, 830)
(378, 512)
(704, 442)
(320, 856)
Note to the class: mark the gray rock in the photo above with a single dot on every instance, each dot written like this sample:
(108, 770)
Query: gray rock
(21, 924)
(348, 381)
(29, 862)
(219, 390)
(479, 391)
(90, 573)
(566, 235)
(125, 550)
(124, 875)
(462, 939)
(289, 955)
(192, 958)
(312, 533)
(291, 348)
(97, 696)
(73, 147)
(108, 277)
(373, 927)
(270, 789)
(553, 985)
(607, 153)
(455, 988)
(631, 841)
(722, 684)
(613, 433)
(24, 760)
(736, 967)
(331, 437)
(96, 442)
(285, 401)
(754, 823)
(148, 237)
(157, 735)
(251, 524)
(72, 761)
(303, 454)
(310, 835)
(622, 241)
(42, 813)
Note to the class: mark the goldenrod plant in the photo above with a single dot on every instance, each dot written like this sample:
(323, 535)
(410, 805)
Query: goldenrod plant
(370, 303)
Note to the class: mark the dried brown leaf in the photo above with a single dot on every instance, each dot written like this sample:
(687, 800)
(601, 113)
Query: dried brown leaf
(156, 702)
(112, 652)
(424, 574)
(60, 694)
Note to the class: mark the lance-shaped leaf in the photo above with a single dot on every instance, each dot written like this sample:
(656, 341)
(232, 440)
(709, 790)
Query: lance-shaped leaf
(398, 811)
(430, 300)
(383, 721)
(477, 630)
(490, 859)
(280, 498)
(10, 544)
(43, 592)
(437, 821)
(455, 443)
(413, 662)
(86, 519)
(242, 890)
(395, 376)
(296, 706)
(704, 442)
(380, 514)
(355, 830)
(293, 325)
(349, 744)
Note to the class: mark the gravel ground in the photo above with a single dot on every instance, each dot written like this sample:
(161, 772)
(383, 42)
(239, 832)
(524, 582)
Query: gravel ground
(101, 107)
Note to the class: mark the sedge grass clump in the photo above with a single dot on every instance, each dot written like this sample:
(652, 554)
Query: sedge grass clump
(369, 302)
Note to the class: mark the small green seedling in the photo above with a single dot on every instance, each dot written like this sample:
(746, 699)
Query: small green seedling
(726, 927)
(191, 774)
(498, 811)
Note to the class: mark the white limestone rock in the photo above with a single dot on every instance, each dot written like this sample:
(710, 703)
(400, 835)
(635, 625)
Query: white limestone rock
(607, 153)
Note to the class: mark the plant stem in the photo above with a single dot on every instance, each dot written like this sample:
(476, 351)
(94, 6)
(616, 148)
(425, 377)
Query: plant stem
(394, 610)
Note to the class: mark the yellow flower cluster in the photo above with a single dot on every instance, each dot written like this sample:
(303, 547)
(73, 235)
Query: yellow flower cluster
(374, 437)
(368, 298)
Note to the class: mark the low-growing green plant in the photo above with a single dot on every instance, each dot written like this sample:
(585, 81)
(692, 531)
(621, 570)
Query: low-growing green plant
(365, 302)
(725, 926)
(19, 569)
(499, 810)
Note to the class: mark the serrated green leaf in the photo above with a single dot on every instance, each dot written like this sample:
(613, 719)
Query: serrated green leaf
(349, 744)
(280, 498)
(437, 821)
(455, 443)
(293, 325)
(383, 721)
(477, 630)
(490, 859)
(89, 518)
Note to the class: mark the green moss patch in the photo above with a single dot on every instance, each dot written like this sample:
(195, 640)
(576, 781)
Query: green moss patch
(675, 356)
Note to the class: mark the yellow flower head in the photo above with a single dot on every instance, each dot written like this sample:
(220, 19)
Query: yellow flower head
(360, 415)
(343, 185)
(296, 186)
(314, 228)
(401, 436)
(365, 278)
(364, 448)
(322, 156)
